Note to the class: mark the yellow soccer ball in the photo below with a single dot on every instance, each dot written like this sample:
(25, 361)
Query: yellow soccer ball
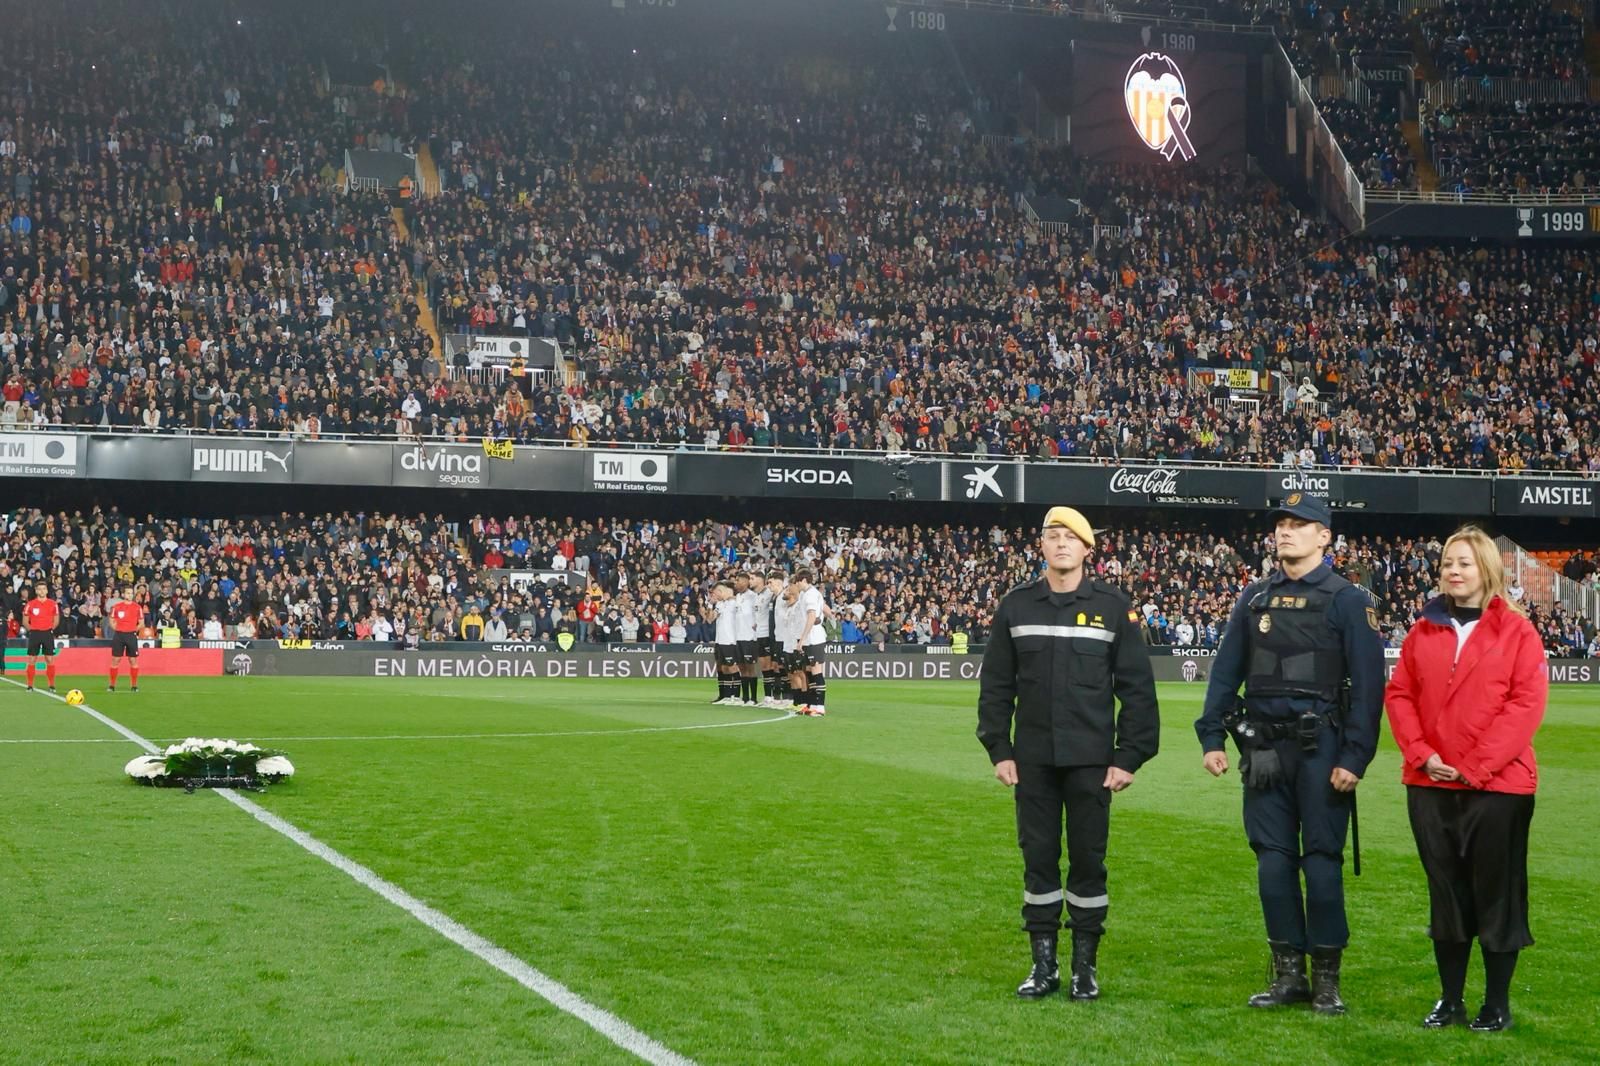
(74, 697)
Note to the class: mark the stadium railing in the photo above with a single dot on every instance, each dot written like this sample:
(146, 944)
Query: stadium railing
(1571, 198)
(1505, 90)
(691, 447)
(1053, 9)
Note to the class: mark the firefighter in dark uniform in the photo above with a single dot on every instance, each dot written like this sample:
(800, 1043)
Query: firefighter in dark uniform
(1062, 651)
(1304, 643)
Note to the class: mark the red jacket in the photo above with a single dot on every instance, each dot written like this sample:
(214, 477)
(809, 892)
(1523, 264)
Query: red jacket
(1478, 713)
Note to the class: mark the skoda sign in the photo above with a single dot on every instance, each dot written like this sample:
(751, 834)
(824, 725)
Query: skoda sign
(800, 477)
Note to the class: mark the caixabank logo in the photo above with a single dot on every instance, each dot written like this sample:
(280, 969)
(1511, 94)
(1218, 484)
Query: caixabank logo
(1158, 105)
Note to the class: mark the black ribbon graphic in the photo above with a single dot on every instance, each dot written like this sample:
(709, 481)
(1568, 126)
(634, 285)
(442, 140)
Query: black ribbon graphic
(1178, 142)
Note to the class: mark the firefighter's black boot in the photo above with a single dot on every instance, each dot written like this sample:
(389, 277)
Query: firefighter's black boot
(1046, 976)
(1085, 946)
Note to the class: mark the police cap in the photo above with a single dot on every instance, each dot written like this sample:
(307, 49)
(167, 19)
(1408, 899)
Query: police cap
(1305, 506)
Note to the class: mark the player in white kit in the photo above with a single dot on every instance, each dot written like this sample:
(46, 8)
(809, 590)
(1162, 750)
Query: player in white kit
(812, 639)
(767, 640)
(747, 603)
(727, 644)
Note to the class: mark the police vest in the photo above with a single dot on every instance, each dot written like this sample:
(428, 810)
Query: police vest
(958, 643)
(1294, 651)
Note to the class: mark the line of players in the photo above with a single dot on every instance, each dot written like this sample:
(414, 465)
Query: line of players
(41, 616)
(771, 623)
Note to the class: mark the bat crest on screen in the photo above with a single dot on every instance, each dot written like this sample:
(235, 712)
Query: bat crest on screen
(1158, 105)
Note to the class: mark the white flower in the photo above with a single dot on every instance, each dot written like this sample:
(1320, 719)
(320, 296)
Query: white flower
(275, 766)
(146, 767)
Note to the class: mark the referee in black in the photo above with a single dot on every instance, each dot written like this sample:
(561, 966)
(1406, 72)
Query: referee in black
(1062, 651)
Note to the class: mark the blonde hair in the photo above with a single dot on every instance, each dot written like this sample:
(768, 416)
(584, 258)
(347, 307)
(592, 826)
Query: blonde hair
(1490, 565)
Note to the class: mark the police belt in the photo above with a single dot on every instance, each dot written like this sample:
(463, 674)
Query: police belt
(1285, 728)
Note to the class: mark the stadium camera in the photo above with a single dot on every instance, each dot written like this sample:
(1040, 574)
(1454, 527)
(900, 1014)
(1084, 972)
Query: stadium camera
(900, 464)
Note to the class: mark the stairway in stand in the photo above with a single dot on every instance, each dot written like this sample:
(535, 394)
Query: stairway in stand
(425, 319)
(1427, 176)
(430, 171)
(1591, 56)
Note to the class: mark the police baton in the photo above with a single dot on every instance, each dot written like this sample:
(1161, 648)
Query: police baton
(1355, 816)
(1355, 836)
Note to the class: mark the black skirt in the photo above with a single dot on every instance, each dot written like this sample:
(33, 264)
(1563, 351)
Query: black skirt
(1474, 849)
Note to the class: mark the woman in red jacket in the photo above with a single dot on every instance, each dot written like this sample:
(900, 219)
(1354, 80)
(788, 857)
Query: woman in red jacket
(1464, 703)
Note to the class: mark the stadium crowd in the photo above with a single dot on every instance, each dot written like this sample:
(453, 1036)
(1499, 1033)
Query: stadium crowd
(1370, 138)
(1504, 39)
(1520, 148)
(821, 257)
(405, 578)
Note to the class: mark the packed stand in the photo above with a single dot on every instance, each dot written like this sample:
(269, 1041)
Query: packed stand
(177, 250)
(1504, 39)
(397, 578)
(825, 316)
(1518, 149)
(809, 248)
(1361, 27)
(1370, 137)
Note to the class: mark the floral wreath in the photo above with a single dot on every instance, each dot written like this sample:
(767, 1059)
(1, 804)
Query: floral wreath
(195, 763)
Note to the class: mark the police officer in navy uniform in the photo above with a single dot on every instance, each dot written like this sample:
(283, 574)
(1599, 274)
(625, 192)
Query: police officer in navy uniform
(1062, 651)
(1304, 643)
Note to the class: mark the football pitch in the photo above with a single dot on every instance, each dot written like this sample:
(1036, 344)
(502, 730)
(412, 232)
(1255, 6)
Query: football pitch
(768, 890)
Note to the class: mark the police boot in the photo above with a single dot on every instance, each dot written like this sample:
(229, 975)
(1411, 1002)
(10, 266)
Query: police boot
(1046, 976)
(1084, 948)
(1288, 980)
(1325, 981)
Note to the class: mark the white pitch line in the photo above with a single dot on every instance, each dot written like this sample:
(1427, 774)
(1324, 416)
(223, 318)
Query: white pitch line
(565, 733)
(457, 736)
(548, 988)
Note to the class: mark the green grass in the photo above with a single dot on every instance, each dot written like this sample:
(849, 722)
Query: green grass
(834, 891)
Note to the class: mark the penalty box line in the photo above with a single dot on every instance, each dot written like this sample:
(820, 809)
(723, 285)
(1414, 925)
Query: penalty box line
(547, 988)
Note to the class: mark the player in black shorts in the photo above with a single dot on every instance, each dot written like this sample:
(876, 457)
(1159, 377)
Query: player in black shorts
(727, 644)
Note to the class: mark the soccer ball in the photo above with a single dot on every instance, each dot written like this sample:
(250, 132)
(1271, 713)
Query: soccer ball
(74, 697)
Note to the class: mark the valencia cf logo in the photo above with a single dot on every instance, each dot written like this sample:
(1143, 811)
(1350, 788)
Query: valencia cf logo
(1158, 105)
(1293, 500)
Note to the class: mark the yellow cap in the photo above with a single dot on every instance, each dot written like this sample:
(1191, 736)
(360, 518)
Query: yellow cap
(1072, 519)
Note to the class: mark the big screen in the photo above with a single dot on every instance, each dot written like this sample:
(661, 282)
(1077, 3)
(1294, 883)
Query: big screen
(1135, 104)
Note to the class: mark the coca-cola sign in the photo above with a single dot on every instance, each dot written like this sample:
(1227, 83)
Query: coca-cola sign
(1157, 481)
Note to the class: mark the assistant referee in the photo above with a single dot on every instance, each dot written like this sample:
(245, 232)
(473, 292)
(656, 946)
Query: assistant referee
(1063, 650)
(42, 615)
